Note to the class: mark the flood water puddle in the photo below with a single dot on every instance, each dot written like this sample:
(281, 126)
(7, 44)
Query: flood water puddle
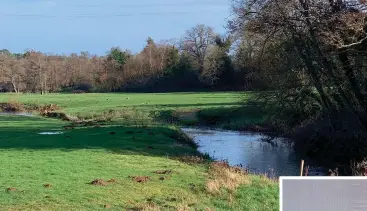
(249, 150)
(16, 114)
(51, 133)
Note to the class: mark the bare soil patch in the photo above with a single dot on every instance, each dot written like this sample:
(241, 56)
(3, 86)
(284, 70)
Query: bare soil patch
(113, 180)
(11, 189)
(99, 182)
(47, 185)
(141, 179)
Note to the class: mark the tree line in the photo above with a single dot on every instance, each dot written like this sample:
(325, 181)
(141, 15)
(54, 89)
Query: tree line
(313, 53)
(200, 60)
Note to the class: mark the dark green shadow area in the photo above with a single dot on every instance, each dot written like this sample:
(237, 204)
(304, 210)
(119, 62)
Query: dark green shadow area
(18, 132)
(231, 118)
(194, 105)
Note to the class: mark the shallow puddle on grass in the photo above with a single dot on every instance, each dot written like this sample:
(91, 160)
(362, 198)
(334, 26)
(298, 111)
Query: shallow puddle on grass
(16, 114)
(51, 133)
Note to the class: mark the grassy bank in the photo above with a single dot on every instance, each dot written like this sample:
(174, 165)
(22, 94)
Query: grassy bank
(136, 167)
(247, 117)
(228, 110)
(69, 162)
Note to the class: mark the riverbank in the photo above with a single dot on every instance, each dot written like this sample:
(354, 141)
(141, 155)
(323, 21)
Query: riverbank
(225, 110)
(239, 118)
(99, 165)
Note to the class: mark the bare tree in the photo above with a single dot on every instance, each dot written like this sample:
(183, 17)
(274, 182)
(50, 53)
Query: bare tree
(196, 42)
(12, 71)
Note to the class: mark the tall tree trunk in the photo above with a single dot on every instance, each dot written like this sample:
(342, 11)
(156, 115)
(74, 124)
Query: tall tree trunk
(350, 74)
(14, 85)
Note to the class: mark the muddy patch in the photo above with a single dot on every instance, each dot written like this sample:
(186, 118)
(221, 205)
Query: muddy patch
(141, 179)
(99, 182)
(11, 189)
(47, 185)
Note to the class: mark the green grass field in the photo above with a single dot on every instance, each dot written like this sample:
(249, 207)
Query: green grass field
(54, 172)
(94, 103)
(229, 110)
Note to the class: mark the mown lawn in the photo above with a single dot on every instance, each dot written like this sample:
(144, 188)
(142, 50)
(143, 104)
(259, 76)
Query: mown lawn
(54, 172)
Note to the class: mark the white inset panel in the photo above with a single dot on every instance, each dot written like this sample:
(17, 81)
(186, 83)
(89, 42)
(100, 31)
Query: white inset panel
(324, 194)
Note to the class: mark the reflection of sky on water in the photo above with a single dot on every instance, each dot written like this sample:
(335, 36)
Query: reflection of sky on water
(248, 150)
(15, 114)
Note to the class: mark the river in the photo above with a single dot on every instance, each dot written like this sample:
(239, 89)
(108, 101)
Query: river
(249, 150)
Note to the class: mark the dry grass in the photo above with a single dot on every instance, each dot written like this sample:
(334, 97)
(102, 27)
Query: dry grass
(12, 106)
(265, 180)
(43, 110)
(151, 207)
(46, 109)
(224, 176)
(192, 159)
(146, 207)
(183, 208)
(359, 168)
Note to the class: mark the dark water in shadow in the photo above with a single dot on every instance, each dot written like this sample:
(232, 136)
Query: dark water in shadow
(247, 149)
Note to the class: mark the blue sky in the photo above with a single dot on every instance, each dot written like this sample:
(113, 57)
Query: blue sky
(66, 26)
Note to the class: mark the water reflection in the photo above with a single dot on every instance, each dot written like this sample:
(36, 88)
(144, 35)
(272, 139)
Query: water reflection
(249, 150)
(51, 133)
(16, 114)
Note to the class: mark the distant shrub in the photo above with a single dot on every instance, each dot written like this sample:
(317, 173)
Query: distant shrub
(6, 87)
(12, 106)
(86, 87)
(46, 109)
(78, 91)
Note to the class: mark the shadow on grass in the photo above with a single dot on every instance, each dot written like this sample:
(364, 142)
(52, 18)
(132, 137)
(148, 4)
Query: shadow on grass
(23, 133)
(233, 118)
(189, 105)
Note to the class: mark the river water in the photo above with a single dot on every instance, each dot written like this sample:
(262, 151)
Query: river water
(16, 114)
(249, 150)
